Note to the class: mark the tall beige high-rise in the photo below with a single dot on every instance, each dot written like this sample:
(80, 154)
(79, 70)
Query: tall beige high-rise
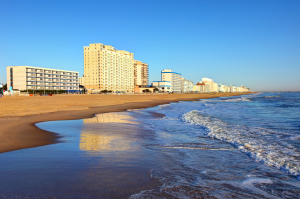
(141, 74)
(106, 68)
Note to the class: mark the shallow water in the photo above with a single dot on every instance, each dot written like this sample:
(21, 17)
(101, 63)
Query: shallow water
(241, 147)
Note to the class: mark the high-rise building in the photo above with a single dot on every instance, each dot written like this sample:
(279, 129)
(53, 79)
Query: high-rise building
(106, 68)
(174, 78)
(141, 72)
(36, 78)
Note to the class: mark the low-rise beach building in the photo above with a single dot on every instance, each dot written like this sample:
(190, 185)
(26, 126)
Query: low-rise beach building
(37, 78)
(210, 85)
(199, 87)
(163, 86)
(186, 86)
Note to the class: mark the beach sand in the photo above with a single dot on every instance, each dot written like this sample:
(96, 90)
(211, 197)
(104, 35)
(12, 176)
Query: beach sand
(19, 114)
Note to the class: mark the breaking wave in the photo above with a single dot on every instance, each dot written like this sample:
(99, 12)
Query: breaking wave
(264, 145)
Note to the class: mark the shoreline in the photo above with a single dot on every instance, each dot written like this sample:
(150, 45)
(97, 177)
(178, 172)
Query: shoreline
(20, 132)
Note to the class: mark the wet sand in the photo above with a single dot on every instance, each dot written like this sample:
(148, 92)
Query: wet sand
(19, 114)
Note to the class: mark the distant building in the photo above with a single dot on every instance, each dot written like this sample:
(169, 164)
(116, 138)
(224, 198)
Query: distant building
(199, 87)
(37, 78)
(163, 86)
(174, 78)
(186, 85)
(141, 76)
(222, 88)
(210, 85)
(81, 81)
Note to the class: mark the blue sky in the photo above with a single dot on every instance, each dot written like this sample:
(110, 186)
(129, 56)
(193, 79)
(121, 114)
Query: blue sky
(255, 43)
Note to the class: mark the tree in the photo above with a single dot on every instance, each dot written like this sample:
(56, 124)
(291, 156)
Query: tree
(147, 90)
(5, 87)
(156, 89)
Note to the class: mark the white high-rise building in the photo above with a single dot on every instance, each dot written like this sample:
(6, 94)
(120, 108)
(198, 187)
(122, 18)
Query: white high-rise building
(174, 78)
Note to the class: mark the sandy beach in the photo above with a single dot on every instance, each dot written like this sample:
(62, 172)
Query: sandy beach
(19, 114)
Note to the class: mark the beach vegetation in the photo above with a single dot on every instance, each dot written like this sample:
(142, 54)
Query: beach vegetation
(5, 87)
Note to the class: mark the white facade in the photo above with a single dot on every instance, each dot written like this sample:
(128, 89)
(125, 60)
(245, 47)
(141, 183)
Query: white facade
(210, 85)
(174, 78)
(36, 78)
(81, 81)
(186, 86)
(164, 86)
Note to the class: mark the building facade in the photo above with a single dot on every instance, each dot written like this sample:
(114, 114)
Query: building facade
(163, 86)
(81, 81)
(186, 85)
(36, 78)
(106, 68)
(199, 87)
(141, 74)
(174, 78)
(210, 85)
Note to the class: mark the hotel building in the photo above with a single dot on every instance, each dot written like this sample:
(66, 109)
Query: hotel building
(141, 71)
(36, 78)
(106, 68)
(174, 78)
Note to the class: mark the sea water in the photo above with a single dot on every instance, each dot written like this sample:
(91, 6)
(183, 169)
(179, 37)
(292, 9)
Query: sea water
(246, 146)
(239, 147)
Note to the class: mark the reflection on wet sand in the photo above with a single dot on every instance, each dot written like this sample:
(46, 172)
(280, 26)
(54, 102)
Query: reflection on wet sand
(123, 117)
(100, 139)
(92, 141)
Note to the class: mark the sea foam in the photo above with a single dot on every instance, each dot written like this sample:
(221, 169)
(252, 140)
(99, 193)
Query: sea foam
(264, 145)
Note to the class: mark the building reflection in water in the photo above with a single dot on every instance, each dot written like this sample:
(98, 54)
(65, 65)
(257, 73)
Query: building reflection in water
(122, 117)
(108, 136)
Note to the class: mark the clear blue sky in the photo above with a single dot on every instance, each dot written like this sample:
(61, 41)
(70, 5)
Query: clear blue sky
(255, 43)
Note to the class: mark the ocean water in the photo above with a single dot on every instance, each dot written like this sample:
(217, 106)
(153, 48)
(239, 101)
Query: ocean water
(239, 147)
(245, 147)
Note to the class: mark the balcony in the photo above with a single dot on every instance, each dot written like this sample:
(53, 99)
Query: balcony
(30, 70)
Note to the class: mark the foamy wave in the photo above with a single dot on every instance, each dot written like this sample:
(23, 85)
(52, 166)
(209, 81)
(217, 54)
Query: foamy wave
(191, 146)
(240, 99)
(252, 181)
(262, 144)
(272, 96)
